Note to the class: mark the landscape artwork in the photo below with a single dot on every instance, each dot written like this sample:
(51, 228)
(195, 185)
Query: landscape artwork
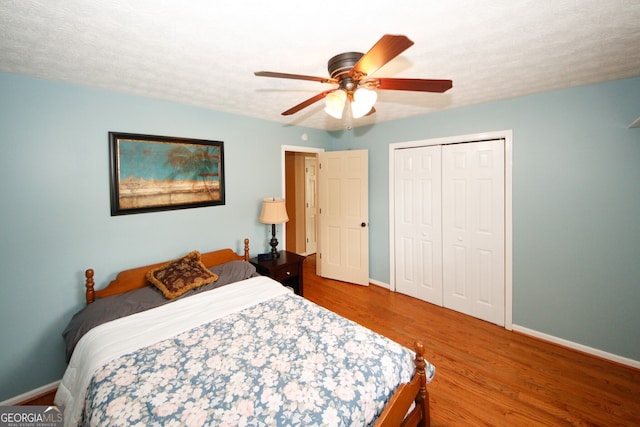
(156, 173)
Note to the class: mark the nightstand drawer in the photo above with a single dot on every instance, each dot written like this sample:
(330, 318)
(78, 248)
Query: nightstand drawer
(286, 272)
(286, 268)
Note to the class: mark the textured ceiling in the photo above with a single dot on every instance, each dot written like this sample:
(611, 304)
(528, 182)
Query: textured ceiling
(204, 53)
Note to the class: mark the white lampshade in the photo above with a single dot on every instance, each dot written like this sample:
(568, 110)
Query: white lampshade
(363, 101)
(274, 211)
(334, 103)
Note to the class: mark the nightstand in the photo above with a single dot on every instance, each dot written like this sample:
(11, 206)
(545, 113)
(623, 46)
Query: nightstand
(286, 269)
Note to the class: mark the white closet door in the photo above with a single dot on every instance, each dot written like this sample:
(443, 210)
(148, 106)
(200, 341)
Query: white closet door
(310, 207)
(418, 236)
(473, 229)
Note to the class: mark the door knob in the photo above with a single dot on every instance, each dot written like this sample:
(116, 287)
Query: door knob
(363, 225)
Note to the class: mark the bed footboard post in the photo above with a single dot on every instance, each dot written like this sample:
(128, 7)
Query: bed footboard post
(89, 283)
(246, 250)
(423, 394)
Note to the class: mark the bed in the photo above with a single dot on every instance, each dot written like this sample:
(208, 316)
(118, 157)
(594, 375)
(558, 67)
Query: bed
(240, 349)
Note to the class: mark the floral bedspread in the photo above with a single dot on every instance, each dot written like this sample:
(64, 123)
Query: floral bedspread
(283, 362)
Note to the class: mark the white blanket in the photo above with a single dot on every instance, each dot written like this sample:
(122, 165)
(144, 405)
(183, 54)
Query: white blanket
(113, 339)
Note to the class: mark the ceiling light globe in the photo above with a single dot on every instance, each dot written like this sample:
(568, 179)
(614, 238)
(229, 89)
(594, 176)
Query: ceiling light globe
(363, 101)
(334, 103)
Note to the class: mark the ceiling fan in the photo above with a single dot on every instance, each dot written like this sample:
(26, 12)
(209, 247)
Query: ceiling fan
(351, 71)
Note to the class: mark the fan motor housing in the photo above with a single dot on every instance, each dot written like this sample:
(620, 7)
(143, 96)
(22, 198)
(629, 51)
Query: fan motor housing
(343, 63)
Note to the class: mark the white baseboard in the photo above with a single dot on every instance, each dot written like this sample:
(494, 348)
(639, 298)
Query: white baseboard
(575, 346)
(31, 394)
(378, 283)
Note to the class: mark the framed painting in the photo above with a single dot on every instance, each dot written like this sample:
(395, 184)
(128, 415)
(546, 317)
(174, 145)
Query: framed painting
(159, 173)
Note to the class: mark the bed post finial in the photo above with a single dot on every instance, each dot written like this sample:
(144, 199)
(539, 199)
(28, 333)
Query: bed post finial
(246, 250)
(89, 283)
(423, 394)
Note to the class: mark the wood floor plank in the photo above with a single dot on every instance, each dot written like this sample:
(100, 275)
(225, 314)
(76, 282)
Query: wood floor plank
(486, 375)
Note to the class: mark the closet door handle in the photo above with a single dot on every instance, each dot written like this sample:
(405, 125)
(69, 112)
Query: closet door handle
(364, 224)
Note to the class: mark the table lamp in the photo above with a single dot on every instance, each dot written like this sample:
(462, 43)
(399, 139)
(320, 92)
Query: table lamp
(274, 211)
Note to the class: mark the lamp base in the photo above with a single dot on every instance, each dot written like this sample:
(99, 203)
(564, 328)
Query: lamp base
(274, 242)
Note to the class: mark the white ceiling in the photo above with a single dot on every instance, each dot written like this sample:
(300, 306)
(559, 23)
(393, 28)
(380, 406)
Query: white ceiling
(204, 52)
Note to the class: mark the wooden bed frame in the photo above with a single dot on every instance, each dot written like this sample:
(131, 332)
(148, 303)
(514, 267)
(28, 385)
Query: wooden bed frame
(396, 412)
(136, 278)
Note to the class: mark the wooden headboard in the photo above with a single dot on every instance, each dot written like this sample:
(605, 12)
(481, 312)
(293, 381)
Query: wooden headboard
(135, 278)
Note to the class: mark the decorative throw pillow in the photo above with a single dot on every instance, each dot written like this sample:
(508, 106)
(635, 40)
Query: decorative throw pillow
(181, 275)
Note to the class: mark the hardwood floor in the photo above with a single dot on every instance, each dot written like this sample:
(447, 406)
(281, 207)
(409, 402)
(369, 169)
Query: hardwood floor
(45, 399)
(486, 375)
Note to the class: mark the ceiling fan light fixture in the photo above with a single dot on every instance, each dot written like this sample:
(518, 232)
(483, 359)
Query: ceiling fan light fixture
(363, 101)
(334, 103)
(356, 91)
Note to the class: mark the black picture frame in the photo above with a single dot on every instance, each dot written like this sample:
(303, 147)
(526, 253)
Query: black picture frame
(150, 173)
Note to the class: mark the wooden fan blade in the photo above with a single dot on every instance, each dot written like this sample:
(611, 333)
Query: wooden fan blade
(308, 102)
(294, 76)
(418, 85)
(387, 48)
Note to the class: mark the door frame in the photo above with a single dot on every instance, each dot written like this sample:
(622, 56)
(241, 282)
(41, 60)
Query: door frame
(507, 135)
(294, 149)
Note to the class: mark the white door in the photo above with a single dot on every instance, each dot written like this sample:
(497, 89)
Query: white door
(310, 208)
(418, 223)
(343, 216)
(473, 229)
(449, 209)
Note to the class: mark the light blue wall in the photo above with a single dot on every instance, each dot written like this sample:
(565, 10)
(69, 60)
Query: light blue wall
(54, 182)
(576, 205)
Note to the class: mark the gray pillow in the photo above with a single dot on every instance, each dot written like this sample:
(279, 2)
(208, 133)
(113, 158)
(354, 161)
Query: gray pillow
(104, 310)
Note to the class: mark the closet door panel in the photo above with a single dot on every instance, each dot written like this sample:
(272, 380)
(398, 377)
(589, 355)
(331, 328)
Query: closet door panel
(473, 229)
(418, 240)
